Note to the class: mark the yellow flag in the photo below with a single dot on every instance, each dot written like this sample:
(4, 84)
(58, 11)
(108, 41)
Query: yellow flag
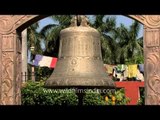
(132, 70)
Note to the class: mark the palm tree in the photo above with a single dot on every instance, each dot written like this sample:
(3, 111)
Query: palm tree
(102, 23)
(50, 33)
(34, 38)
(34, 45)
(131, 45)
(118, 44)
(106, 26)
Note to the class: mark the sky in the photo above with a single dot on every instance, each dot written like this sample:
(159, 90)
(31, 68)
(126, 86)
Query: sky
(120, 19)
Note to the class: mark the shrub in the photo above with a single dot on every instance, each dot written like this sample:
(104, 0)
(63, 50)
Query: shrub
(33, 93)
(111, 97)
(142, 99)
(92, 97)
(118, 97)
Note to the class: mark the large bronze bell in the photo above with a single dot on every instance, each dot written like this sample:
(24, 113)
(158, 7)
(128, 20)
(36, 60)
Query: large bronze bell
(80, 61)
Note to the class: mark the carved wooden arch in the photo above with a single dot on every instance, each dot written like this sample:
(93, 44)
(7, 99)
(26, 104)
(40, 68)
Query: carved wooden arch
(10, 58)
(151, 21)
(9, 23)
(22, 20)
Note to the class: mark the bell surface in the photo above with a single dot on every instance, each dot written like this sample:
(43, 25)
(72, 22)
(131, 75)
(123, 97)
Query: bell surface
(80, 60)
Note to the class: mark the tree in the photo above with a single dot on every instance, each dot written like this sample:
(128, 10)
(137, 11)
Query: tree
(131, 45)
(118, 44)
(50, 33)
(106, 26)
(34, 38)
(34, 45)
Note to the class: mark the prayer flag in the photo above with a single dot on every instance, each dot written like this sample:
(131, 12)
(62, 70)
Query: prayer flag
(45, 61)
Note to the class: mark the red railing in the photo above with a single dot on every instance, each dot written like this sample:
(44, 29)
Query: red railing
(131, 90)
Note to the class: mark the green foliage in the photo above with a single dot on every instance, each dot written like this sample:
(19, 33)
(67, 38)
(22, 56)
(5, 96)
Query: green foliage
(135, 60)
(34, 38)
(116, 97)
(139, 59)
(92, 97)
(42, 73)
(142, 98)
(33, 93)
(105, 97)
(120, 97)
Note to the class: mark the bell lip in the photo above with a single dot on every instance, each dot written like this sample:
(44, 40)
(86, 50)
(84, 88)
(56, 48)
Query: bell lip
(80, 87)
(108, 85)
(83, 89)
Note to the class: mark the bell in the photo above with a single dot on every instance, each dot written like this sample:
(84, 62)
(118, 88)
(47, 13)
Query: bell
(79, 60)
